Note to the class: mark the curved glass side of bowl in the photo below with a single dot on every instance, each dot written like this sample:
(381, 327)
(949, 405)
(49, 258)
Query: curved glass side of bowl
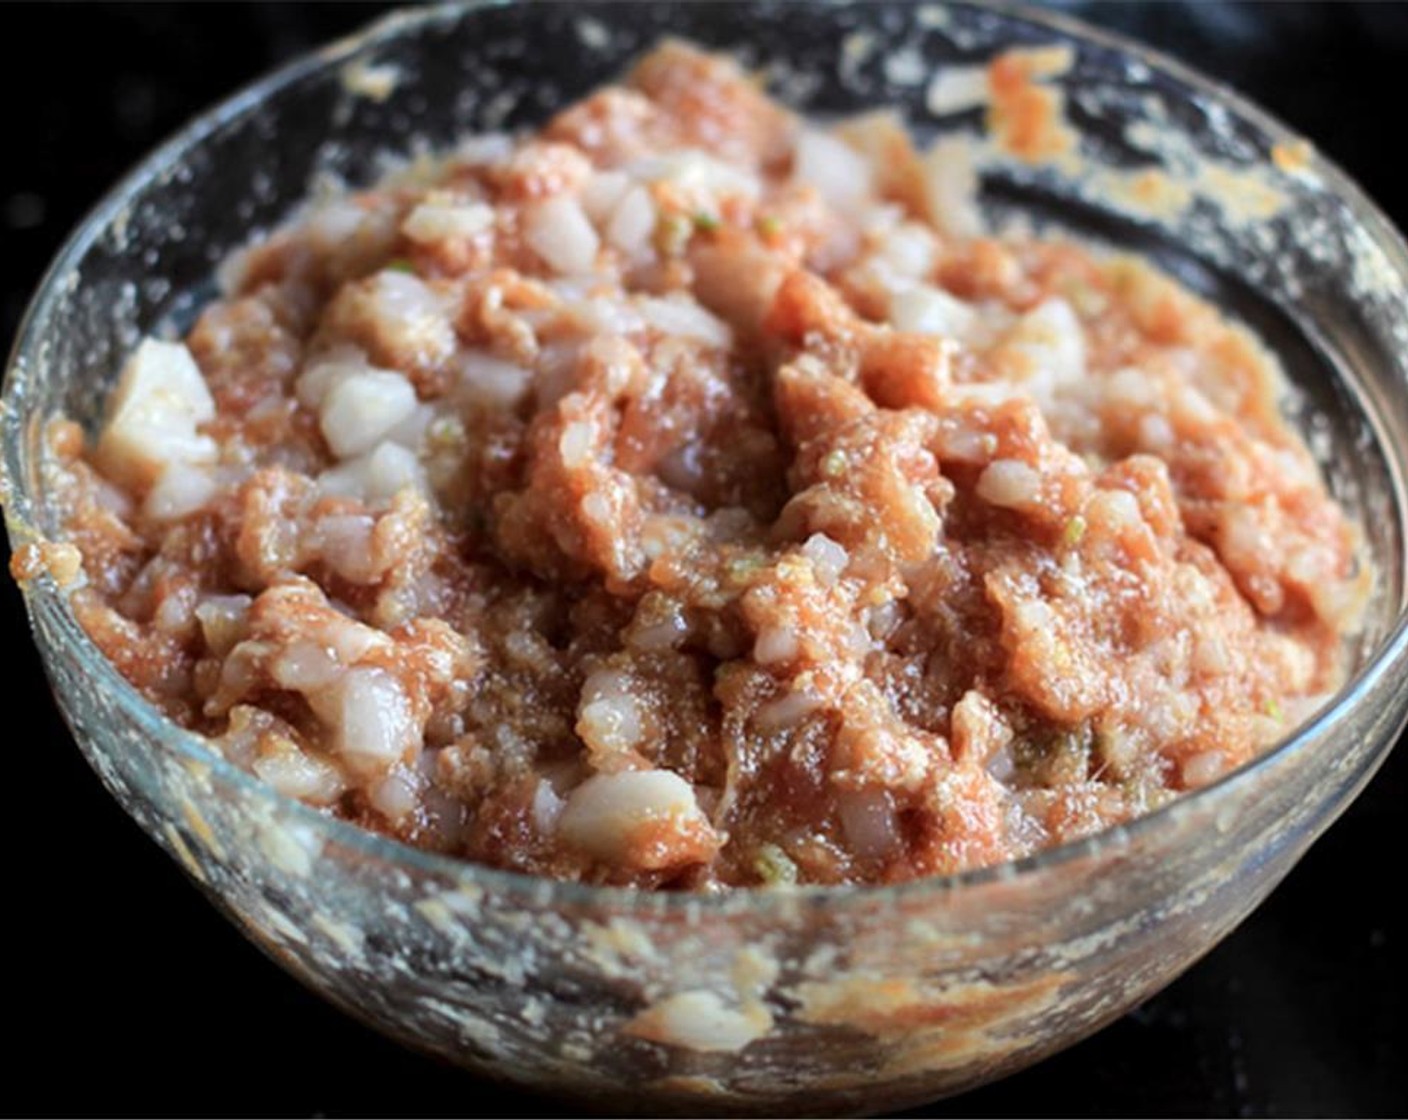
(806, 1000)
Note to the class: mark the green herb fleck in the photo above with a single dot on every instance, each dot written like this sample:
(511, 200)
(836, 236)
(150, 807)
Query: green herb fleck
(768, 225)
(706, 222)
(1273, 707)
(834, 465)
(1074, 531)
(445, 433)
(400, 264)
(774, 866)
(739, 568)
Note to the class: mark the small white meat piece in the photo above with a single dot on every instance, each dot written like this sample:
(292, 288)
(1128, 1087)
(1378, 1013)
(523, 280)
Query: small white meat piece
(606, 815)
(1045, 350)
(222, 621)
(375, 477)
(1009, 483)
(836, 170)
(684, 317)
(951, 187)
(442, 219)
(362, 407)
(370, 718)
(160, 400)
(491, 383)
(559, 231)
(180, 491)
(700, 176)
(632, 223)
(926, 309)
(609, 718)
(325, 371)
(602, 193)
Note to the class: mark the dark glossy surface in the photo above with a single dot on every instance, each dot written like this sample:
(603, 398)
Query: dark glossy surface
(1297, 1013)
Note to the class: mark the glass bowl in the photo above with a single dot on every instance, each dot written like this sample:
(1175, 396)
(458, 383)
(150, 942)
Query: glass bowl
(806, 1000)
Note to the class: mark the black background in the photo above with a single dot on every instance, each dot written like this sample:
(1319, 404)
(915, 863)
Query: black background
(125, 992)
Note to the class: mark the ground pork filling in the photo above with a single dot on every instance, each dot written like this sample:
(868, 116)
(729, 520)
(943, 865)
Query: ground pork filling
(690, 496)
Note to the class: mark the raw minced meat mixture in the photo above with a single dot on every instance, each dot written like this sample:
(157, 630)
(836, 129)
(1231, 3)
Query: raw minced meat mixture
(689, 496)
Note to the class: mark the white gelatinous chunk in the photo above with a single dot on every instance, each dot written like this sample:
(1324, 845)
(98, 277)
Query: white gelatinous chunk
(347, 639)
(605, 813)
(434, 221)
(362, 407)
(909, 250)
(345, 543)
(1114, 511)
(610, 719)
(180, 491)
(370, 718)
(1132, 388)
(333, 222)
(786, 712)
(1051, 336)
(829, 559)
(305, 666)
(396, 795)
(325, 371)
(1009, 483)
(632, 223)
(160, 400)
(559, 231)
(603, 192)
(547, 807)
(490, 382)
(951, 187)
(869, 822)
(926, 309)
(685, 318)
(696, 173)
(410, 432)
(350, 236)
(375, 477)
(222, 621)
(577, 443)
(486, 148)
(301, 775)
(402, 319)
(775, 644)
(1202, 768)
(840, 173)
(173, 614)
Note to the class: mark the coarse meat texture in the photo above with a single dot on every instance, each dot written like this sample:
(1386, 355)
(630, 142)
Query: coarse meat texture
(691, 496)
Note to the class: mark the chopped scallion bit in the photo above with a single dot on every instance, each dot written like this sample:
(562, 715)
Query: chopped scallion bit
(774, 866)
(1074, 530)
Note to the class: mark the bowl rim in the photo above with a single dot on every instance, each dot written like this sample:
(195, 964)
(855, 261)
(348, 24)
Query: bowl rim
(42, 596)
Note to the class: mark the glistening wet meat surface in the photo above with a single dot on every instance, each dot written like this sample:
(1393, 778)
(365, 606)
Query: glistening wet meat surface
(689, 495)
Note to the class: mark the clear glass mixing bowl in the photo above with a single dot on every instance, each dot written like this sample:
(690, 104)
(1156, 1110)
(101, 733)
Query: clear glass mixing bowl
(814, 1000)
